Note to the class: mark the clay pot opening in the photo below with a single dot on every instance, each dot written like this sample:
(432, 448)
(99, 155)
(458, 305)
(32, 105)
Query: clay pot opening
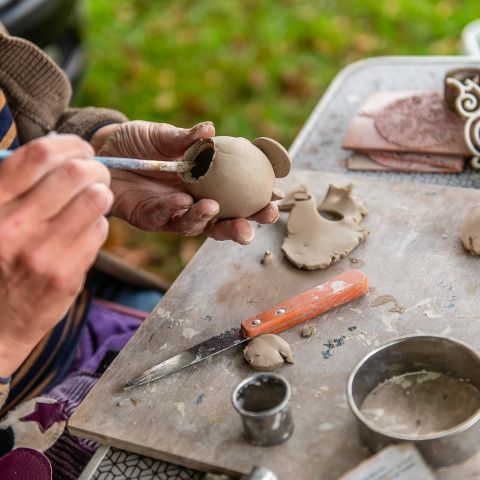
(331, 215)
(202, 162)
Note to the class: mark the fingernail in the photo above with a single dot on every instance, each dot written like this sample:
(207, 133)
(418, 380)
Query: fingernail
(211, 214)
(203, 127)
(247, 238)
(276, 218)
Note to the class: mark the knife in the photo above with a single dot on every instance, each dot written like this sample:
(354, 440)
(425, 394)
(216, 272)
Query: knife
(335, 292)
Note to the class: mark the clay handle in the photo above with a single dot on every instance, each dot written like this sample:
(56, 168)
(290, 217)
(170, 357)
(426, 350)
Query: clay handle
(335, 292)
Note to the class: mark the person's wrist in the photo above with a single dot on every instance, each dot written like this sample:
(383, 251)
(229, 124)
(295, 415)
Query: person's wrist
(12, 355)
(99, 138)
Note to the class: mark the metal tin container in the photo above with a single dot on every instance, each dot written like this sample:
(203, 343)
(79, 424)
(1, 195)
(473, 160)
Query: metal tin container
(262, 402)
(418, 353)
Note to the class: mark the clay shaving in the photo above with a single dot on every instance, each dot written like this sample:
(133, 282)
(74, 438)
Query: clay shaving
(267, 258)
(318, 238)
(309, 331)
(267, 352)
(470, 233)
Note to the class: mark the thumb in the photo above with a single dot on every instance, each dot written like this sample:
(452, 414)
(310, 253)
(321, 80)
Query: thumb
(172, 141)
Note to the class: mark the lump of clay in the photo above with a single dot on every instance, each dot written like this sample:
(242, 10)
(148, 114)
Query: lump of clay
(470, 233)
(267, 352)
(238, 174)
(318, 238)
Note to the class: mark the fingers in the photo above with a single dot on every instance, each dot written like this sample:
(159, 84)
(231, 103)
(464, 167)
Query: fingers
(269, 214)
(194, 220)
(239, 230)
(94, 201)
(172, 141)
(84, 250)
(65, 278)
(153, 210)
(54, 191)
(29, 163)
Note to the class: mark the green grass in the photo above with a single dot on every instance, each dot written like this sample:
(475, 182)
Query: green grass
(254, 67)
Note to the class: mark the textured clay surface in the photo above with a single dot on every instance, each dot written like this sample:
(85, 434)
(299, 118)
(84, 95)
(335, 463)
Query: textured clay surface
(419, 122)
(318, 238)
(267, 352)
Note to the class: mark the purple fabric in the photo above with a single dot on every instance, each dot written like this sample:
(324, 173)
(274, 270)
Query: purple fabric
(46, 414)
(105, 330)
(25, 464)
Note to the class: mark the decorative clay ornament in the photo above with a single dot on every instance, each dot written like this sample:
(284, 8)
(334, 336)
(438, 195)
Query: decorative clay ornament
(238, 174)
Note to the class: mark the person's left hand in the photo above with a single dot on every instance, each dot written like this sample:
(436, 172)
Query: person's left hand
(161, 203)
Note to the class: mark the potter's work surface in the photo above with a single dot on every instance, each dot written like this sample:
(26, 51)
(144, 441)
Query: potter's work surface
(413, 255)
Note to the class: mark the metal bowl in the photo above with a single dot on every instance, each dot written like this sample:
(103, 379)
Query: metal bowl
(418, 353)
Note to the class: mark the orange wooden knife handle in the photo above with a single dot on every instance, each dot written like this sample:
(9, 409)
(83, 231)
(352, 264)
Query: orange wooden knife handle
(335, 292)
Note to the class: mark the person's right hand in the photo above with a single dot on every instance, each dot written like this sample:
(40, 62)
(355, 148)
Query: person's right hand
(53, 198)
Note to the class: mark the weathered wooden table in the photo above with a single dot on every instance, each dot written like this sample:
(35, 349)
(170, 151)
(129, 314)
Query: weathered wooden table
(160, 419)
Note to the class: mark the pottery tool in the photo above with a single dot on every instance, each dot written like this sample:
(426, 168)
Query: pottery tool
(134, 163)
(335, 292)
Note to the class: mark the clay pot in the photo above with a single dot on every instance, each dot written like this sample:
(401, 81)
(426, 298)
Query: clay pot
(238, 174)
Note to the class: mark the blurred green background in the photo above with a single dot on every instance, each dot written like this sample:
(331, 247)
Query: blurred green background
(254, 67)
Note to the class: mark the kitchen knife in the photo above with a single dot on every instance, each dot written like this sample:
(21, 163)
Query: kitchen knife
(335, 292)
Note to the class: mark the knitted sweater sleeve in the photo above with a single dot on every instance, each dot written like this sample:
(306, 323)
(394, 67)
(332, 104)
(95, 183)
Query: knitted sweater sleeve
(39, 93)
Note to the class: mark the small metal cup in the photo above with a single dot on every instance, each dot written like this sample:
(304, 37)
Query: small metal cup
(262, 402)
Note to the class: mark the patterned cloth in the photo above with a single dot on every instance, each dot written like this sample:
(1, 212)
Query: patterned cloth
(8, 129)
(40, 422)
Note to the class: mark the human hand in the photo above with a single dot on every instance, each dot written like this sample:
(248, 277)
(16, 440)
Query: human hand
(158, 202)
(53, 197)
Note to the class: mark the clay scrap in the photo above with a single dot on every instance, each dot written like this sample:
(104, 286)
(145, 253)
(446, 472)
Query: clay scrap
(470, 233)
(267, 352)
(238, 174)
(309, 331)
(267, 258)
(319, 237)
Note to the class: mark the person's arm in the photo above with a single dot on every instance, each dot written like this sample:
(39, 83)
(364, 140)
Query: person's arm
(39, 94)
(53, 198)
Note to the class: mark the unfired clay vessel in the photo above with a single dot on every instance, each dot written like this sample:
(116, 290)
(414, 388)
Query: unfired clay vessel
(470, 233)
(318, 238)
(267, 352)
(238, 174)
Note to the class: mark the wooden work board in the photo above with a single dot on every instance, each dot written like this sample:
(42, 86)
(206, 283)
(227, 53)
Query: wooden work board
(413, 254)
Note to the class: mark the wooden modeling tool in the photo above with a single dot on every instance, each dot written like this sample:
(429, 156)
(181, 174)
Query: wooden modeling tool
(335, 292)
(134, 163)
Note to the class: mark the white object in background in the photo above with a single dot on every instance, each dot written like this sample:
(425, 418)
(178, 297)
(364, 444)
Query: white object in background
(399, 462)
(468, 105)
(471, 39)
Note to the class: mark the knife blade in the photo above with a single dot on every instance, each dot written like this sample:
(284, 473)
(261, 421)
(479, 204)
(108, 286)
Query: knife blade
(335, 292)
